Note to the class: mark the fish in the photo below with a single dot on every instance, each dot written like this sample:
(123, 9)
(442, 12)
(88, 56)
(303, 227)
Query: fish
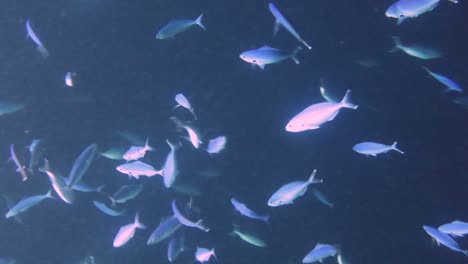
(36, 149)
(27, 203)
(244, 210)
(166, 228)
(137, 152)
(315, 115)
(451, 85)
(131, 137)
(268, 55)
(462, 100)
(182, 101)
(137, 169)
(59, 185)
(291, 191)
(281, 20)
(170, 170)
(177, 26)
(455, 228)
(204, 254)
(126, 232)
(69, 79)
(81, 165)
(404, 9)
(175, 247)
(444, 239)
(186, 222)
(21, 169)
(108, 211)
(9, 204)
(40, 46)
(216, 145)
(10, 107)
(319, 253)
(248, 237)
(373, 149)
(83, 187)
(322, 198)
(126, 193)
(415, 50)
(113, 153)
(193, 136)
(324, 93)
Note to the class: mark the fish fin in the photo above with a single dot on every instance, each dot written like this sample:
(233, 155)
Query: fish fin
(276, 27)
(49, 194)
(137, 222)
(397, 44)
(373, 155)
(312, 127)
(345, 102)
(193, 113)
(294, 55)
(198, 21)
(394, 147)
(262, 66)
(43, 51)
(400, 20)
(266, 47)
(305, 44)
(312, 178)
(147, 146)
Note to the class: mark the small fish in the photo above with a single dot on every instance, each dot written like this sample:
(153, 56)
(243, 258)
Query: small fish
(249, 237)
(27, 203)
(137, 169)
(21, 169)
(69, 79)
(126, 193)
(60, 187)
(177, 26)
(451, 85)
(183, 102)
(170, 171)
(165, 229)
(137, 152)
(268, 55)
(175, 247)
(40, 46)
(444, 239)
(315, 115)
(103, 208)
(291, 191)
(36, 149)
(373, 149)
(281, 20)
(216, 145)
(203, 254)
(193, 136)
(418, 51)
(113, 153)
(244, 210)
(319, 253)
(81, 165)
(455, 228)
(9, 107)
(186, 222)
(341, 260)
(462, 100)
(126, 232)
(322, 198)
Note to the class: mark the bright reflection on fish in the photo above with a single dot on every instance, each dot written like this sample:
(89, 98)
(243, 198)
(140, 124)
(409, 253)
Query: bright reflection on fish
(167, 227)
(182, 101)
(27, 203)
(319, 253)
(186, 222)
(126, 232)
(268, 55)
(204, 254)
(40, 46)
(373, 149)
(137, 169)
(244, 210)
(451, 85)
(415, 50)
(216, 145)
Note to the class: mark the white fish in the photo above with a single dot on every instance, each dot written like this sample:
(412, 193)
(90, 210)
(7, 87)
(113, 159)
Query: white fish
(403, 9)
(268, 55)
(451, 85)
(36, 149)
(60, 187)
(418, 51)
(319, 253)
(291, 191)
(315, 115)
(137, 169)
(103, 208)
(170, 171)
(186, 222)
(69, 79)
(137, 152)
(126, 232)
(40, 46)
(177, 26)
(455, 228)
(183, 102)
(204, 254)
(27, 203)
(373, 149)
(193, 136)
(444, 239)
(9, 107)
(216, 145)
(21, 169)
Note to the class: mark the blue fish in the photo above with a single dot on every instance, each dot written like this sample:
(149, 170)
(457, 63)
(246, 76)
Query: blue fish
(268, 55)
(175, 247)
(40, 46)
(177, 26)
(373, 149)
(165, 229)
(451, 85)
(319, 253)
(27, 203)
(444, 239)
(244, 210)
(82, 164)
(403, 9)
(455, 228)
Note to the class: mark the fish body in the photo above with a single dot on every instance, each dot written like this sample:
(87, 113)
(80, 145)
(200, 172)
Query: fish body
(137, 169)
(126, 232)
(177, 26)
(186, 222)
(455, 228)
(249, 237)
(10, 107)
(83, 187)
(81, 165)
(137, 152)
(451, 85)
(315, 115)
(193, 137)
(444, 239)
(165, 229)
(127, 192)
(418, 51)
(373, 149)
(216, 145)
(268, 55)
(291, 191)
(60, 187)
(40, 46)
(175, 247)
(103, 208)
(182, 101)
(319, 253)
(36, 149)
(204, 254)
(27, 203)
(244, 210)
(170, 170)
(21, 169)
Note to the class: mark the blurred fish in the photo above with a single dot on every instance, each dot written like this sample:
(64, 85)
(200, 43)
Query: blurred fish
(40, 46)
(137, 169)
(418, 51)
(319, 253)
(244, 210)
(249, 237)
(216, 145)
(27, 203)
(177, 26)
(36, 149)
(322, 198)
(462, 100)
(373, 149)
(103, 208)
(137, 152)
(193, 136)
(367, 62)
(186, 222)
(60, 187)
(126, 232)
(81, 165)
(187, 189)
(175, 247)
(325, 94)
(444, 239)
(281, 20)
(69, 79)
(167, 227)
(9, 107)
(203, 254)
(126, 193)
(170, 172)
(341, 260)
(451, 85)
(131, 137)
(9, 204)
(21, 169)
(404, 9)
(113, 153)
(268, 55)
(291, 191)
(455, 228)
(183, 102)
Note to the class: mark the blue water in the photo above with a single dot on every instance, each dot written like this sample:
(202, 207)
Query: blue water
(127, 79)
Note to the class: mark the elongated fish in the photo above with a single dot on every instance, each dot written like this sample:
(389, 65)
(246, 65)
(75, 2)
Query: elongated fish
(175, 247)
(373, 148)
(415, 50)
(137, 169)
(281, 20)
(186, 222)
(319, 253)
(268, 55)
(291, 191)
(81, 165)
(177, 26)
(108, 211)
(451, 85)
(9, 107)
(170, 170)
(126, 193)
(137, 152)
(455, 228)
(183, 102)
(193, 136)
(40, 46)
(404, 9)
(204, 254)
(21, 169)
(244, 210)
(444, 239)
(36, 149)
(27, 203)
(248, 237)
(126, 232)
(216, 145)
(166, 228)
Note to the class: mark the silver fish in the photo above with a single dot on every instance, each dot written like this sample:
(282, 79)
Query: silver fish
(177, 26)
(175, 247)
(418, 51)
(21, 169)
(167, 227)
(81, 165)
(126, 193)
(291, 191)
(36, 149)
(186, 222)
(126, 232)
(244, 210)
(137, 169)
(103, 208)
(40, 46)
(27, 203)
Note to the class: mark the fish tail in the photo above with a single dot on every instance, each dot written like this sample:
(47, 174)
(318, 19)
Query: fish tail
(266, 218)
(305, 44)
(312, 178)
(198, 21)
(397, 43)
(394, 147)
(147, 146)
(345, 102)
(294, 54)
(100, 188)
(49, 194)
(43, 51)
(137, 222)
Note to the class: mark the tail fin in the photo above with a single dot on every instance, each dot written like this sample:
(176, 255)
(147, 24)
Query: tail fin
(49, 194)
(397, 43)
(43, 51)
(345, 102)
(266, 218)
(147, 146)
(198, 21)
(137, 222)
(312, 178)
(294, 55)
(394, 147)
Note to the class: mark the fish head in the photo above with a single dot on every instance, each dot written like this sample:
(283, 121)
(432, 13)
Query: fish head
(393, 11)
(275, 201)
(121, 168)
(247, 57)
(297, 125)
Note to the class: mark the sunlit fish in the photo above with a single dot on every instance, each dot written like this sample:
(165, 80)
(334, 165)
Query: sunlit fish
(126, 193)
(444, 239)
(455, 228)
(216, 145)
(193, 136)
(126, 232)
(9, 107)
(322, 198)
(404, 9)
(108, 211)
(186, 222)
(82, 164)
(137, 169)
(27, 203)
(170, 170)
(373, 149)
(175, 247)
(291, 191)
(40, 46)
(319, 253)
(248, 237)
(21, 169)
(268, 55)
(69, 79)
(182, 101)
(451, 85)
(415, 50)
(281, 20)
(113, 153)
(315, 115)
(203, 255)
(244, 210)
(177, 26)
(166, 228)
(60, 187)
(137, 152)
(83, 187)
(36, 149)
